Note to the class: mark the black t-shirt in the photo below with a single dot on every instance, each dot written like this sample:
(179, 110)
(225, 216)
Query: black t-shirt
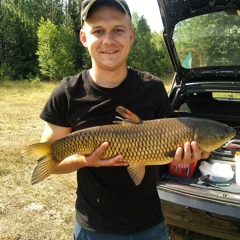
(107, 199)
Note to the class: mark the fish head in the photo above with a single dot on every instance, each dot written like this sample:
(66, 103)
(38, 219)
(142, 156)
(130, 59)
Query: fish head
(211, 135)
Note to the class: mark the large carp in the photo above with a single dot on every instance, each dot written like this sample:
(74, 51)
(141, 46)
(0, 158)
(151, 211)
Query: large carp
(142, 143)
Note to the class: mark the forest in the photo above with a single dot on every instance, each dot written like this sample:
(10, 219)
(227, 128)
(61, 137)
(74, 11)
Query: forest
(39, 39)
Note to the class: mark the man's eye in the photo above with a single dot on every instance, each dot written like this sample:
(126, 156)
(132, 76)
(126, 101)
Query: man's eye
(98, 32)
(118, 30)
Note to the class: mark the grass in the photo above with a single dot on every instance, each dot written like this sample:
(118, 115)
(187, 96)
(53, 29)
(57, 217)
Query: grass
(44, 211)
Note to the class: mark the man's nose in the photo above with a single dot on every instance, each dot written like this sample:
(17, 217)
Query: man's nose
(109, 38)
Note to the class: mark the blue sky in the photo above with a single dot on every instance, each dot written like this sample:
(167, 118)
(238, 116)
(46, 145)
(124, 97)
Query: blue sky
(149, 9)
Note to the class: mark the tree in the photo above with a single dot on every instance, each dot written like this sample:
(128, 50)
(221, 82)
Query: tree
(29, 44)
(73, 20)
(18, 42)
(19, 21)
(142, 47)
(55, 50)
(162, 65)
(148, 52)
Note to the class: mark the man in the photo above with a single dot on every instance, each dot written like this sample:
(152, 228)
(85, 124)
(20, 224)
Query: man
(109, 205)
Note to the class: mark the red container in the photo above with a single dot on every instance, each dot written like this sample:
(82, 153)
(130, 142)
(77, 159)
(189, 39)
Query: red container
(182, 169)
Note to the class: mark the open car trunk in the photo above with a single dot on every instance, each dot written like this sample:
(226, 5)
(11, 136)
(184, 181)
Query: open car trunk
(203, 42)
(207, 207)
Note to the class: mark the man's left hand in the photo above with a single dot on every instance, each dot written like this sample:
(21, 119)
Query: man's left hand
(190, 153)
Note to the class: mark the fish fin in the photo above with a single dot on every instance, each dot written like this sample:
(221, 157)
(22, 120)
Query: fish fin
(170, 154)
(136, 172)
(36, 151)
(43, 169)
(42, 152)
(129, 117)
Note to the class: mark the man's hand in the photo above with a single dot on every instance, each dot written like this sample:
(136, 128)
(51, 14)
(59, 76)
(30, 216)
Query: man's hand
(75, 162)
(190, 153)
(94, 160)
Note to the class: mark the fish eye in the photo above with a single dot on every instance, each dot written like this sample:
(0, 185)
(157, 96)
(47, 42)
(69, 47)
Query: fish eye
(221, 136)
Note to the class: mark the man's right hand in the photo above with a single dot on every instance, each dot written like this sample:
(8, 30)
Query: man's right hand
(94, 160)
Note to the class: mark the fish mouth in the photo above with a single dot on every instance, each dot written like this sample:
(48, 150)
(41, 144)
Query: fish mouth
(232, 131)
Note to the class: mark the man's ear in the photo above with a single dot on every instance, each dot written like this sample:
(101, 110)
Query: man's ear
(83, 38)
(132, 36)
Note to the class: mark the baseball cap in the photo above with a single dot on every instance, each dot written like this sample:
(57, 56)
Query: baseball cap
(88, 4)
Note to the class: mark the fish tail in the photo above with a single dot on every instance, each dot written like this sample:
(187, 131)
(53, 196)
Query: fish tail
(42, 152)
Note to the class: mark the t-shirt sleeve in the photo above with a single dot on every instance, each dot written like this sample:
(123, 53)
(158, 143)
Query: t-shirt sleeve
(55, 109)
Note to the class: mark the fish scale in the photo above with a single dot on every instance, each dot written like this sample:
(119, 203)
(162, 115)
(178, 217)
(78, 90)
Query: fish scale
(151, 142)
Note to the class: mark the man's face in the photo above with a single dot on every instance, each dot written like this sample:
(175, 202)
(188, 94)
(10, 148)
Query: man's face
(108, 35)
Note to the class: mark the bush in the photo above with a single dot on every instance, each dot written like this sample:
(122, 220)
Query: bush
(56, 50)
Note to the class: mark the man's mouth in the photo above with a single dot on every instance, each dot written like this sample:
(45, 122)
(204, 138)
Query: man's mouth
(110, 52)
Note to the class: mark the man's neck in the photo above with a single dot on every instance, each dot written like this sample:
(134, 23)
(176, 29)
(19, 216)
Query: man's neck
(107, 78)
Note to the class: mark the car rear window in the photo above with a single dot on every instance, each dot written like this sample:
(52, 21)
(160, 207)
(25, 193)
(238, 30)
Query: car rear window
(209, 40)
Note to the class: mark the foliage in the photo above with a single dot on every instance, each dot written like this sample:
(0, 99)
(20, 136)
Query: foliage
(163, 65)
(41, 39)
(149, 48)
(19, 21)
(18, 42)
(55, 50)
(140, 56)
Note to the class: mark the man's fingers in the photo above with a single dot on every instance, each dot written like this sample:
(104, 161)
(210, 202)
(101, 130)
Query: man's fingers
(115, 161)
(99, 151)
(196, 152)
(178, 154)
(94, 160)
(187, 152)
(190, 153)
